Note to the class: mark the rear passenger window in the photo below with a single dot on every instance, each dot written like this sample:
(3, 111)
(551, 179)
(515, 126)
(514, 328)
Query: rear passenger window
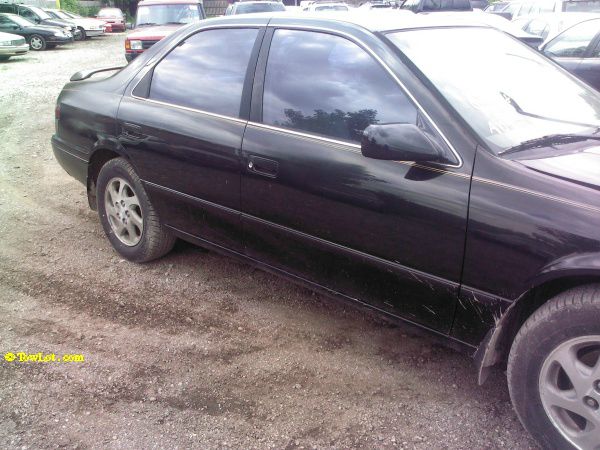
(206, 71)
(327, 85)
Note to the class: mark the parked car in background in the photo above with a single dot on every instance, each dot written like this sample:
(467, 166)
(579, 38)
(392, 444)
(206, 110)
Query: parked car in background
(254, 7)
(577, 49)
(327, 6)
(515, 9)
(12, 45)
(38, 16)
(87, 26)
(550, 24)
(156, 19)
(496, 22)
(381, 4)
(429, 6)
(479, 4)
(39, 37)
(496, 6)
(400, 162)
(113, 16)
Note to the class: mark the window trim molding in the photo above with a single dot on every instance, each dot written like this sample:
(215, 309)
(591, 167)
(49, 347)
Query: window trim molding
(390, 72)
(155, 61)
(266, 40)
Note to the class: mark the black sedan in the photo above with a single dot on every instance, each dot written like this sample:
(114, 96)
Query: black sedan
(440, 172)
(577, 49)
(39, 37)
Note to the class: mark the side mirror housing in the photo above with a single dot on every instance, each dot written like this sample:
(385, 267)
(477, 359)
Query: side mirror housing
(400, 142)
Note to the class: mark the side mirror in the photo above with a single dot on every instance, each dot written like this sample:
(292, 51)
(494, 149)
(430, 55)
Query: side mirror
(400, 142)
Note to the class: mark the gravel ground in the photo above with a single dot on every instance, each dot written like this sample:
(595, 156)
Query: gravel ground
(194, 350)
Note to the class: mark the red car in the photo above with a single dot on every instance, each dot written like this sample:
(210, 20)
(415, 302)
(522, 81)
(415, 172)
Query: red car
(114, 17)
(156, 19)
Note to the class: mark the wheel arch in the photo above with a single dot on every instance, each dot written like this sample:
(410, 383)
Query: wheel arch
(103, 151)
(555, 278)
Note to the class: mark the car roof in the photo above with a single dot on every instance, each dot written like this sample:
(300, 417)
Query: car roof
(372, 20)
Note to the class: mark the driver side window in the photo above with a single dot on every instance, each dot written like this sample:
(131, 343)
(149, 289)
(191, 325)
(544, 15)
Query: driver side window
(574, 42)
(326, 85)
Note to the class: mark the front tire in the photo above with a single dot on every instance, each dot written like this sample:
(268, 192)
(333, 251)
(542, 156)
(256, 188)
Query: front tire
(37, 43)
(127, 215)
(82, 36)
(554, 371)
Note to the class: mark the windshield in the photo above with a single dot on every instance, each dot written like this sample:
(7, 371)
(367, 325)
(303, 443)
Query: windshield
(502, 88)
(71, 15)
(259, 7)
(582, 6)
(167, 14)
(40, 12)
(60, 15)
(110, 13)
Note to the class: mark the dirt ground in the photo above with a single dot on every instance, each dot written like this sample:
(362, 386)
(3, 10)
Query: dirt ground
(194, 350)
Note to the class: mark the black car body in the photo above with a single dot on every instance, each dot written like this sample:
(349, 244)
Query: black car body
(412, 209)
(38, 16)
(577, 49)
(43, 36)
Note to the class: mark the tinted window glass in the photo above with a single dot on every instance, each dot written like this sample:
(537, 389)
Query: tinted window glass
(574, 42)
(328, 85)
(203, 73)
(27, 14)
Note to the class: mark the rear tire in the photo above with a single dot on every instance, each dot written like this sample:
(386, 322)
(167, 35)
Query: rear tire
(127, 215)
(554, 371)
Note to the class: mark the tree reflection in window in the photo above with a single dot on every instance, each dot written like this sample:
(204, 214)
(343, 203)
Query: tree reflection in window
(346, 125)
(328, 85)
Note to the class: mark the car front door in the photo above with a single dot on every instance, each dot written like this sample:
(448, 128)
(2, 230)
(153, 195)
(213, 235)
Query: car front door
(182, 126)
(387, 233)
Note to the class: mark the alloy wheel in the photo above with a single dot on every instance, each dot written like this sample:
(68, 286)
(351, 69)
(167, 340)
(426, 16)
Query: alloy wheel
(569, 386)
(36, 43)
(123, 211)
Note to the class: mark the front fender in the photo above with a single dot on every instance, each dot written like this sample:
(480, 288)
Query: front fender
(560, 275)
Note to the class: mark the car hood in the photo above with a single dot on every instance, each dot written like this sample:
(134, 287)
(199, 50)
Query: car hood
(58, 23)
(582, 167)
(157, 32)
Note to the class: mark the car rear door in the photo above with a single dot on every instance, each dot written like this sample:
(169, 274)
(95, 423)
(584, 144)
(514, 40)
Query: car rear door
(182, 125)
(387, 233)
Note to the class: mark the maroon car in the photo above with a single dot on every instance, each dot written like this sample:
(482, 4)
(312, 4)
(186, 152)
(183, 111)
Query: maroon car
(156, 19)
(114, 17)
